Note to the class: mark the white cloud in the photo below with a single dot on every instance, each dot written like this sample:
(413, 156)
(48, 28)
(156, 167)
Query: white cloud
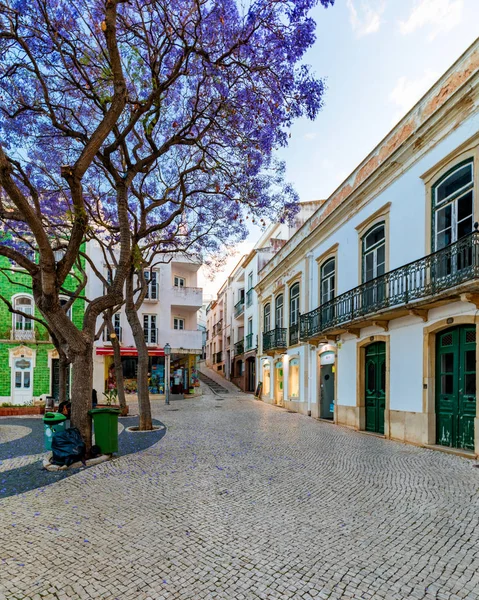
(365, 15)
(440, 15)
(408, 91)
(310, 136)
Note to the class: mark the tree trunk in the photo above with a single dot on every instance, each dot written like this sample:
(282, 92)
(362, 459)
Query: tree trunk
(144, 407)
(115, 344)
(63, 367)
(82, 384)
(120, 387)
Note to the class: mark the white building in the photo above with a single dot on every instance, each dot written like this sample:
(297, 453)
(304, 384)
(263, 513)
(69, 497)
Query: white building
(168, 314)
(232, 323)
(369, 312)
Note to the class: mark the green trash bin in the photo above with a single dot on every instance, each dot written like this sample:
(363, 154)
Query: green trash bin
(105, 425)
(52, 422)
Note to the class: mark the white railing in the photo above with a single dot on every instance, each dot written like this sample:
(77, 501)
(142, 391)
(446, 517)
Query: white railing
(23, 334)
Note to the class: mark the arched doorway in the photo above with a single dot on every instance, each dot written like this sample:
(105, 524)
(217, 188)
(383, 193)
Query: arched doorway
(456, 387)
(375, 386)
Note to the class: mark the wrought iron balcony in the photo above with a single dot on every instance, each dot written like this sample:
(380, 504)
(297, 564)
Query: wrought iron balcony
(413, 283)
(249, 298)
(274, 339)
(218, 357)
(293, 333)
(239, 347)
(249, 341)
(239, 308)
(219, 326)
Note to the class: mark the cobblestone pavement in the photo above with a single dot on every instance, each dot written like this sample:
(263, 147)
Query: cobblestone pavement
(241, 501)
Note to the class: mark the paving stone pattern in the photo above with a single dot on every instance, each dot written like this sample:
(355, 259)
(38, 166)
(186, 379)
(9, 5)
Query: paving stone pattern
(241, 500)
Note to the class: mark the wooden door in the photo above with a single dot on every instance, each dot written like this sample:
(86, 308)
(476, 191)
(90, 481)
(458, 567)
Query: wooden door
(456, 387)
(375, 384)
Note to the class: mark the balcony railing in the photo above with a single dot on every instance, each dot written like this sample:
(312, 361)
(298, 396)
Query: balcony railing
(428, 276)
(276, 338)
(218, 327)
(249, 298)
(218, 357)
(239, 308)
(249, 341)
(23, 334)
(239, 347)
(293, 334)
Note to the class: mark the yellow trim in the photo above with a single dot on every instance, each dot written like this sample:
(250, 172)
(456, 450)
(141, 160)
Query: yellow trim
(379, 216)
(429, 370)
(372, 219)
(467, 150)
(330, 251)
(360, 382)
(325, 256)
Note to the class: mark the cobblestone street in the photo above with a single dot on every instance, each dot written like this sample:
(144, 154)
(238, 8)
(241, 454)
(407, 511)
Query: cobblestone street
(241, 500)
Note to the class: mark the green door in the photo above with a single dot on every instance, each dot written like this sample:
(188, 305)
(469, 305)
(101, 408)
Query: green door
(456, 387)
(375, 379)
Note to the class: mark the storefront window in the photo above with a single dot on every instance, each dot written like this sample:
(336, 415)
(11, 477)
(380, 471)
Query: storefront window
(294, 379)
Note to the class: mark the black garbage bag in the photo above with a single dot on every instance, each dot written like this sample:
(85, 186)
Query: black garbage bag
(68, 447)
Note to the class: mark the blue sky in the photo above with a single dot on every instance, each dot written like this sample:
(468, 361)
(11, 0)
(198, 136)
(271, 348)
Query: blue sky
(378, 58)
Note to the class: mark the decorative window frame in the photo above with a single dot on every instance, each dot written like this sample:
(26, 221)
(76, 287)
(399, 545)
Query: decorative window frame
(468, 151)
(331, 252)
(290, 397)
(381, 215)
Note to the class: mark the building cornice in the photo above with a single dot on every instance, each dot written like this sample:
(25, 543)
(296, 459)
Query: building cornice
(452, 99)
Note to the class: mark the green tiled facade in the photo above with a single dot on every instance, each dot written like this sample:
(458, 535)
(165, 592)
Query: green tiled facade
(18, 283)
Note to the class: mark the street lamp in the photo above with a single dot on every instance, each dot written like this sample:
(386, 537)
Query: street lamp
(167, 350)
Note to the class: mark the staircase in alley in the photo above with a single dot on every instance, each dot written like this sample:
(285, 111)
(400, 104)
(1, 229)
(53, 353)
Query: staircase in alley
(216, 388)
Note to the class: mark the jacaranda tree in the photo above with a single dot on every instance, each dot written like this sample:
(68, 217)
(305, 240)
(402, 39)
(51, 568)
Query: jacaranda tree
(151, 122)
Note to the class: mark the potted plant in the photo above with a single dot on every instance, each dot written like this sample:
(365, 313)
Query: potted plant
(111, 401)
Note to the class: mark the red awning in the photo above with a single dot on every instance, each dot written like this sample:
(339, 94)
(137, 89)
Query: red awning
(108, 351)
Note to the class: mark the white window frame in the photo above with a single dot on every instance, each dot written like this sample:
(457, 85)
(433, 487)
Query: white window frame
(177, 321)
(151, 327)
(179, 281)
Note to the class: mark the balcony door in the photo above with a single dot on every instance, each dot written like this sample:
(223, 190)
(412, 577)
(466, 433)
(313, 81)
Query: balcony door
(267, 318)
(23, 326)
(374, 265)
(453, 203)
(278, 307)
(326, 293)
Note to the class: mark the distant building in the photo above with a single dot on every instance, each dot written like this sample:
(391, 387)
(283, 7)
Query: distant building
(29, 363)
(168, 314)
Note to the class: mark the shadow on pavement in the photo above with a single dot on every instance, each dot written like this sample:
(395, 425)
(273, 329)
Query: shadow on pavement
(31, 476)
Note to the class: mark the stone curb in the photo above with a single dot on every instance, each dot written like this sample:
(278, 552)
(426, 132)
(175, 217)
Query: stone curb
(77, 465)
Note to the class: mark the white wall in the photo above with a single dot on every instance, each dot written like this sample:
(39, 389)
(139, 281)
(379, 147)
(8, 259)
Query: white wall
(346, 375)
(406, 365)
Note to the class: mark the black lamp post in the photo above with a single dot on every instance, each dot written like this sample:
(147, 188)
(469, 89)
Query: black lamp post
(167, 350)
